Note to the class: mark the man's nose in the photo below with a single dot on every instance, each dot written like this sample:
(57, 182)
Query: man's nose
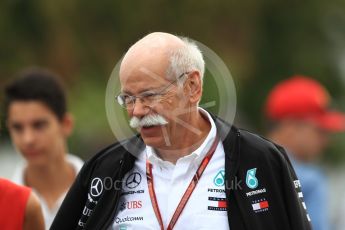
(28, 136)
(139, 108)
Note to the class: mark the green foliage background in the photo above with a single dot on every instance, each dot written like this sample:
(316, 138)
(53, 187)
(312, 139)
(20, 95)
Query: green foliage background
(262, 42)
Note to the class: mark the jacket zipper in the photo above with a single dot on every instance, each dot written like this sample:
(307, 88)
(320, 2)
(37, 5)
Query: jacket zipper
(109, 221)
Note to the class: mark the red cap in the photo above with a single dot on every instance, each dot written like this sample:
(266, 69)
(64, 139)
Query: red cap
(301, 97)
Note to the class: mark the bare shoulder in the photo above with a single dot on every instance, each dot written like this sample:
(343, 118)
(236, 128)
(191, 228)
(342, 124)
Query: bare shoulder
(33, 214)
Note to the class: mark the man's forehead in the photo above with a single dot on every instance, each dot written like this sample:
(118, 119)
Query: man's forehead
(140, 59)
(144, 72)
(151, 68)
(142, 80)
(151, 52)
(29, 110)
(29, 120)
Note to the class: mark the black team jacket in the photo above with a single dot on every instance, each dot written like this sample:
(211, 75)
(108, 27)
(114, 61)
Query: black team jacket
(92, 205)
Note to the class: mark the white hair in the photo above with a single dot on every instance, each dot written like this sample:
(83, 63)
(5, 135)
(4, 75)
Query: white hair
(186, 59)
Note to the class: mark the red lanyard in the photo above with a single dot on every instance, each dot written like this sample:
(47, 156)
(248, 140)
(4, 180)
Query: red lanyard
(186, 194)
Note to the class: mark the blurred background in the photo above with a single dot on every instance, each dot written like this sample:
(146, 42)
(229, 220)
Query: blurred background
(262, 42)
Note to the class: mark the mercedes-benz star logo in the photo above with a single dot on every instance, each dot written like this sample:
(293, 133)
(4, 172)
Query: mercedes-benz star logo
(96, 187)
(133, 180)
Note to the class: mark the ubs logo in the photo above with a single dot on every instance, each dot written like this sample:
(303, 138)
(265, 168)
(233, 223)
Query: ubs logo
(133, 180)
(134, 204)
(96, 187)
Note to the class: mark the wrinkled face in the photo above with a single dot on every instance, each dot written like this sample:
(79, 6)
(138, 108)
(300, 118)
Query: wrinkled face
(311, 139)
(171, 105)
(36, 131)
(143, 72)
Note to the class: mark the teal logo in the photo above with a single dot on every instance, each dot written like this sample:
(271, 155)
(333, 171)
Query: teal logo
(219, 179)
(251, 180)
(123, 227)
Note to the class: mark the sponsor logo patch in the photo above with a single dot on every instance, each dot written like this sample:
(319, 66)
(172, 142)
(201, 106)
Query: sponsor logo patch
(96, 187)
(218, 204)
(123, 227)
(297, 183)
(133, 204)
(251, 181)
(260, 205)
(219, 179)
(214, 190)
(256, 192)
(119, 220)
(298, 187)
(133, 180)
(132, 192)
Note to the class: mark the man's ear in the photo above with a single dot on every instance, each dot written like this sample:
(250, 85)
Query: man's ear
(67, 124)
(194, 87)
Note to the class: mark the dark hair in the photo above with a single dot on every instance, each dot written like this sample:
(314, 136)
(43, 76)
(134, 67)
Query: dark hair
(37, 84)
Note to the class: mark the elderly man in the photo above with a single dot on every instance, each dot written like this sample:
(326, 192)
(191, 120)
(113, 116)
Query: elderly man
(187, 169)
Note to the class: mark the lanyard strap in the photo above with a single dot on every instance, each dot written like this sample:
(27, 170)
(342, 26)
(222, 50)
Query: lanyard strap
(186, 194)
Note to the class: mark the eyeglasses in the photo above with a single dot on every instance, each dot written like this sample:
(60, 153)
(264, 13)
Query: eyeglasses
(148, 98)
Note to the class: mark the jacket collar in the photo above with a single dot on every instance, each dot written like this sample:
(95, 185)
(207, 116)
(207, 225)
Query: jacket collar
(228, 133)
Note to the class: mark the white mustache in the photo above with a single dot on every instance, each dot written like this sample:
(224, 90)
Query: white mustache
(148, 120)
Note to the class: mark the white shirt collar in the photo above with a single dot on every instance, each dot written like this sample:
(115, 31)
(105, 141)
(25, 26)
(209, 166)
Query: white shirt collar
(19, 176)
(48, 214)
(196, 155)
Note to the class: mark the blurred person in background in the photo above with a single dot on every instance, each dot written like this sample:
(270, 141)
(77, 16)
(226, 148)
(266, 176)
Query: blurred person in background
(20, 208)
(299, 119)
(39, 124)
